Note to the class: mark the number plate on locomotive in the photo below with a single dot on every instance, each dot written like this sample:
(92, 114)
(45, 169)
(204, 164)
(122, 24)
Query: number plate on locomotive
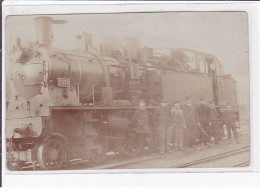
(63, 82)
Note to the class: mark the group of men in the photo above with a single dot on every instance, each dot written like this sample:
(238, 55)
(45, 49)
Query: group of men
(179, 127)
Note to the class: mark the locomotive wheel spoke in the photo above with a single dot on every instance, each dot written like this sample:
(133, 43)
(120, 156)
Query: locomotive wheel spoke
(131, 146)
(127, 145)
(130, 150)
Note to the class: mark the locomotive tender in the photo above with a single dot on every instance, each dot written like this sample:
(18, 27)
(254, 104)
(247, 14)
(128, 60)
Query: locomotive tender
(78, 104)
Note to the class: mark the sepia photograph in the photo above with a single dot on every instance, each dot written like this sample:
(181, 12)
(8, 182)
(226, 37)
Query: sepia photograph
(144, 90)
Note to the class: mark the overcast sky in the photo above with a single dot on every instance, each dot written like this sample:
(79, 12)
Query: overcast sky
(223, 34)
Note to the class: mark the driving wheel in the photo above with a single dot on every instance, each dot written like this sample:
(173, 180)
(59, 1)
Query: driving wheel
(129, 145)
(51, 154)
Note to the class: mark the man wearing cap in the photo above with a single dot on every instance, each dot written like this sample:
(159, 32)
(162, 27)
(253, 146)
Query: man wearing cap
(213, 122)
(162, 116)
(192, 123)
(141, 125)
(230, 122)
(203, 111)
(178, 125)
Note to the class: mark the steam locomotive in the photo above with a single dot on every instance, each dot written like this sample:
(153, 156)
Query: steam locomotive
(70, 104)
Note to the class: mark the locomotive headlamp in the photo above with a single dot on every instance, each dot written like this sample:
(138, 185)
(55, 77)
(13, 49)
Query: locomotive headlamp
(25, 129)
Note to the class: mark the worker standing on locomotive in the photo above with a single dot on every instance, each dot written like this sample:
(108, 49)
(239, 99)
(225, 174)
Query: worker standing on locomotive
(192, 122)
(141, 125)
(229, 119)
(179, 125)
(162, 116)
(203, 111)
(213, 122)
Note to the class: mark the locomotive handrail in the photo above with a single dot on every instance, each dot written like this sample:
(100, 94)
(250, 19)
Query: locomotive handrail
(117, 107)
(97, 107)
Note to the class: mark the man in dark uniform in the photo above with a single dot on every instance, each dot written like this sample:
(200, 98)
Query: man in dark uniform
(230, 122)
(162, 117)
(192, 123)
(213, 122)
(203, 111)
(178, 125)
(141, 125)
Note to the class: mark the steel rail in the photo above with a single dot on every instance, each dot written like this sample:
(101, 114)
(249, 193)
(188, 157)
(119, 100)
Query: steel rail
(243, 164)
(125, 163)
(219, 156)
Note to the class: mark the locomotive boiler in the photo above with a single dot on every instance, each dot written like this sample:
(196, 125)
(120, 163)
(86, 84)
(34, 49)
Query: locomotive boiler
(69, 104)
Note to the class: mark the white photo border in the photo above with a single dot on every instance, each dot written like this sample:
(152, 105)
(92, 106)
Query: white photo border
(65, 7)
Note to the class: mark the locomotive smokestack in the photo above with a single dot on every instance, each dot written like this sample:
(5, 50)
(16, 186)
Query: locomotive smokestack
(44, 30)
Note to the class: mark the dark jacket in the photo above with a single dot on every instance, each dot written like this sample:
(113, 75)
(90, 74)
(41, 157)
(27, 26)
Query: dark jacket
(203, 112)
(178, 118)
(190, 115)
(140, 121)
(213, 115)
(162, 117)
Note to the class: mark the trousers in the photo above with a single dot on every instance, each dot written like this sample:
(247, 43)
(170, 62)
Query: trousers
(234, 129)
(214, 131)
(164, 138)
(142, 140)
(204, 138)
(178, 137)
(190, 134)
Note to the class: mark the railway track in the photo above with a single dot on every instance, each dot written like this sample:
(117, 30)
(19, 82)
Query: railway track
(130, 161)
(243, 164)
(121, 163)
(124, 164)
(216, 157)
(118, 162)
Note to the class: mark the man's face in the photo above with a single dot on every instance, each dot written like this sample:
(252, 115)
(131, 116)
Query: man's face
(164, 104)
(189, 102)
(142, 106)
(202, 102)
